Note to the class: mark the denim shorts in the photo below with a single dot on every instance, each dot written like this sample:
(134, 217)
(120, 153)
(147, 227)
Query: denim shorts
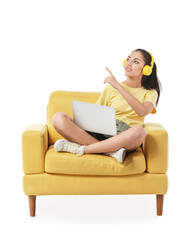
(120, 125)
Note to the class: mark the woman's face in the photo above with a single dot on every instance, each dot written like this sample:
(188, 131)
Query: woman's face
(134, 65)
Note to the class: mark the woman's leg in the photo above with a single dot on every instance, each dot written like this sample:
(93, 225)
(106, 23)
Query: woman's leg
(129, 139)
(64, 125)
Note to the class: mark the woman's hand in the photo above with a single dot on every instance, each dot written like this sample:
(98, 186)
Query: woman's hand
(111, 80)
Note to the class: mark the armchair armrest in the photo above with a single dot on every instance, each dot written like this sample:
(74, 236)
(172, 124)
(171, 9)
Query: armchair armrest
(155, 148)
(34, 148)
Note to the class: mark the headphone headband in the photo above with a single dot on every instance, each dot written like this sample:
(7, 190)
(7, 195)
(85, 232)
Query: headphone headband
(152, 59)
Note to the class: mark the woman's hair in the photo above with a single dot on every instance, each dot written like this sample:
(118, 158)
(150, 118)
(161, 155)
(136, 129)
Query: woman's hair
(151, 81)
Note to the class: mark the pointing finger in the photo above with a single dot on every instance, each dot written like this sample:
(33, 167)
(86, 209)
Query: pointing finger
(109, 71)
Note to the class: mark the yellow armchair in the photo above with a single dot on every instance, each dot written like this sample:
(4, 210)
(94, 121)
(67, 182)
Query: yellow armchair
(48, 172)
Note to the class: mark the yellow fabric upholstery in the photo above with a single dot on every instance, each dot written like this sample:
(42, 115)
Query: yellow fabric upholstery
(55, 184)
(93, 164)
(34, 147)
(156, 148)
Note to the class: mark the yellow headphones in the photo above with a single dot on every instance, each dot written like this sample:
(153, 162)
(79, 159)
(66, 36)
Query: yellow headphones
(147, 70)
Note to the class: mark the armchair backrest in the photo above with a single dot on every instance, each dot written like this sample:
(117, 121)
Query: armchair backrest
(61, 101)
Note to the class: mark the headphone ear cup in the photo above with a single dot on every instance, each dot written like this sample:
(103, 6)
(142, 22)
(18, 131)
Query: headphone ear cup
(124, 62)
(147, 70)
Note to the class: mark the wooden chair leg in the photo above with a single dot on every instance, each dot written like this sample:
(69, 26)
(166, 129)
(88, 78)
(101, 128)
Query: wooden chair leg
(159, 201)
(32, 205)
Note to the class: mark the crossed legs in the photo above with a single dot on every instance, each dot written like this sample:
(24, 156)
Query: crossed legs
(129, 139)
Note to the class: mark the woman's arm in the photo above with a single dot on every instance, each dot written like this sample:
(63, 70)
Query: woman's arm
(142, 109)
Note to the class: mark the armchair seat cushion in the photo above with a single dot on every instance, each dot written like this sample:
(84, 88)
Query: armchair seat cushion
(93, 164)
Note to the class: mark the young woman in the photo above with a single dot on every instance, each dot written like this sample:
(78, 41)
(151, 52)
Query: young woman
(132, 99)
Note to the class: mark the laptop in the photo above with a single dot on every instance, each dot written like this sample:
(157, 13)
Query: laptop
(94, 118)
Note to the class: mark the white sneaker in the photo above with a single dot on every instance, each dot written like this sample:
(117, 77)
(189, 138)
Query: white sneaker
(118, 155)
(63, 145)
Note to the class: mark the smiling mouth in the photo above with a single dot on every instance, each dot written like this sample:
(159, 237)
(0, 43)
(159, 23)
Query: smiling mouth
(128, 69)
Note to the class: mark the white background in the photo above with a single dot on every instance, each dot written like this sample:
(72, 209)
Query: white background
(65, 45)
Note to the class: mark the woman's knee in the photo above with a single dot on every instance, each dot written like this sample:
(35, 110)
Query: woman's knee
(140, 132)
(137, 134)
(59, 119)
